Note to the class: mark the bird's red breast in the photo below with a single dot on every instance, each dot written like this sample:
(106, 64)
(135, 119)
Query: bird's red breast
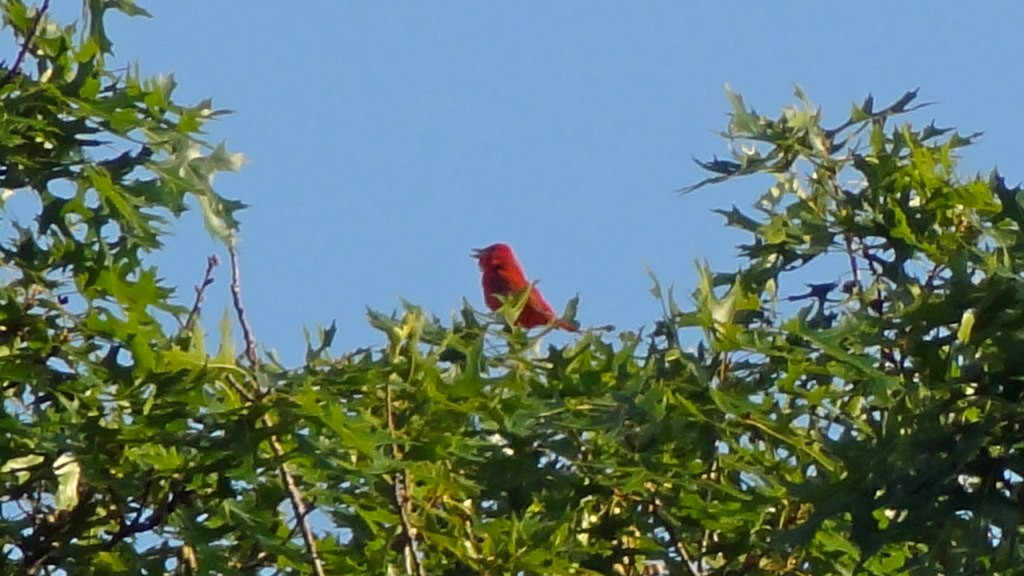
(502, 275)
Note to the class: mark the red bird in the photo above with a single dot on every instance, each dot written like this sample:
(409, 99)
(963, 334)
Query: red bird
(503, 276)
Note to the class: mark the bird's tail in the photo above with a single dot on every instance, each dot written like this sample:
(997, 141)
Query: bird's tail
(568, 327)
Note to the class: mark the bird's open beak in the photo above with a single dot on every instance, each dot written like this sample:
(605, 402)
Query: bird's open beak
(477, 253)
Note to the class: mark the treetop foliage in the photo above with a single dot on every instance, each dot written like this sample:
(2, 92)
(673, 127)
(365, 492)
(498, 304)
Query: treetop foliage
(846, 400)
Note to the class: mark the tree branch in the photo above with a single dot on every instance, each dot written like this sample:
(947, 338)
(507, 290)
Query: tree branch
(713, 476)
(236, 298)
(211, 262)
(299, 509)
(677, 543)
(29, 36)
(400, 485)
(175, 497)
(46, 537)
(848, 239)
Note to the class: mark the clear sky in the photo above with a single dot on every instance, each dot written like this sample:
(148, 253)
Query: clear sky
(387, 139)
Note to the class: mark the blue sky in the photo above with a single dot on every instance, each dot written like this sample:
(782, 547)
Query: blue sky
(387, 139)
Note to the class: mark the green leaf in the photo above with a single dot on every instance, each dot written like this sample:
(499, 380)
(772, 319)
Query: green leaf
(20, 466)
(69, 474)
(226, 350)
(743, 122)
(963, 333)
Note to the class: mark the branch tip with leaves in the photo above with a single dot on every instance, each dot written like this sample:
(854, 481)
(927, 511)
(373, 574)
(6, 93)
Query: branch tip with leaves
(15, 68)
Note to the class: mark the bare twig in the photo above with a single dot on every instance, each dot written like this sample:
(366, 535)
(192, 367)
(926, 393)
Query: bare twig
(299, 509)
(29, 36)
(236, 297)
(211, 262)
(401, 494)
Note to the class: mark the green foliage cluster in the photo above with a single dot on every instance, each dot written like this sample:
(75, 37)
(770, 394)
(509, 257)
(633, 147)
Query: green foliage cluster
(870, 424)
(106, 411)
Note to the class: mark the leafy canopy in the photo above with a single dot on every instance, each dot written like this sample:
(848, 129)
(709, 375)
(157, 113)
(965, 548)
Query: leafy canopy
(869, 422)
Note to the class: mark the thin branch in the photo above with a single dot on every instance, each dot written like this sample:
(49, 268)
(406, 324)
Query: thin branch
(143, 502)
(876, 263)
(723, 367)
(299, 509)
(309, 510)
(677, 543)
(847, 238)
(211, 262)
(401, 495)
(167, 505)
(933, 274)
(236, 297)
(712, 476)
(241, 389)
(853, 260)
(29, 36)
(46, 537)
